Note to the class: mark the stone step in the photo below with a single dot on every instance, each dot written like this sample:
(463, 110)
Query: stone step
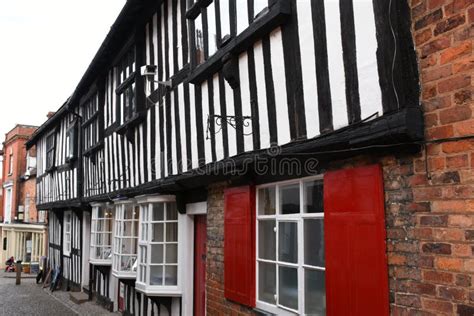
(79, 297)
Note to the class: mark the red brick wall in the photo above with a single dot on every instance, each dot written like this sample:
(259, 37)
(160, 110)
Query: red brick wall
(441, 239)
(216, 303)
(15, 142)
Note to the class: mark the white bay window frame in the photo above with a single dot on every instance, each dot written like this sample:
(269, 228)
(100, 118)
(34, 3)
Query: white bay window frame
(184, 252)
(99, 234)
(299, 219)
(122, 237)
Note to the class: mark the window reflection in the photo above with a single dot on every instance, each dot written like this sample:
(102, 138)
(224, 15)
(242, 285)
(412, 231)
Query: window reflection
(212, 29)
(225, 21)
(199, 36)
(242, 16)
(259, 6)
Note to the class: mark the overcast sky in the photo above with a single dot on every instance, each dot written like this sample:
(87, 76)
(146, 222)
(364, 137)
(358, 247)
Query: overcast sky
(45, 48)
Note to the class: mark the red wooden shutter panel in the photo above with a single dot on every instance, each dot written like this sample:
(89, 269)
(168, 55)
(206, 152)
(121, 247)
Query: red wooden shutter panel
(239, 245)
(356, 262)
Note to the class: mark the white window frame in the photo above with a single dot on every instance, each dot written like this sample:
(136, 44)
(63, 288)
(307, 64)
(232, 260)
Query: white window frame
(299, 219)
(118, 237)
(145, 222)
(67, 233)
(94, 232)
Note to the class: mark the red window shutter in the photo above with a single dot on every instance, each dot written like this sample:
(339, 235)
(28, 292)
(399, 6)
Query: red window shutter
(356, 262)
(239, 245)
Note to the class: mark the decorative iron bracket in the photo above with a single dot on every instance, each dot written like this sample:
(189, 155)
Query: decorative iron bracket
(231, 120)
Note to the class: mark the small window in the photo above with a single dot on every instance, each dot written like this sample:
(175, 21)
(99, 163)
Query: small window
(50, 150)
(101, 235)
(90, 127)
(10, 163)
(71, 143)
(126, 100)
(206, 44)
(290, 248)
(125, 240)
(67, 233)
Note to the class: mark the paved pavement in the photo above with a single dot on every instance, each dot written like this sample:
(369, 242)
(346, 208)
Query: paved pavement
(31, 299)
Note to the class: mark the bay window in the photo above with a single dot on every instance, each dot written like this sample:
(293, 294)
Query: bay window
(290, 248)
(158, 247)
(125, 239)
(101, 234)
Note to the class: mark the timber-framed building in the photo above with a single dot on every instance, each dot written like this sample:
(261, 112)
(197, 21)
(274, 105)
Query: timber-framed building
(200, 164)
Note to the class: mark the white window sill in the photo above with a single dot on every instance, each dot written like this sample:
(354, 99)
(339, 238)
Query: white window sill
(151, 290)
(101, 262)
(272, 309)
(124, 274)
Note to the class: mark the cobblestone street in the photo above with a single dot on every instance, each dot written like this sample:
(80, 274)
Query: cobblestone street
(31, 299)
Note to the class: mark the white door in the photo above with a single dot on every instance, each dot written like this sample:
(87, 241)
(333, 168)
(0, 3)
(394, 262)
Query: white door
(8, 205)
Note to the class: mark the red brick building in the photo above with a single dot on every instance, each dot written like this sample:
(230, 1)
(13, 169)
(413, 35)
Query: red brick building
(19, 168)
(22, 237)
(1, 183)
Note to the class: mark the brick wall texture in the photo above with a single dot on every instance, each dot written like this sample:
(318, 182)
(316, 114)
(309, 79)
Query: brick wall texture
(429, 215)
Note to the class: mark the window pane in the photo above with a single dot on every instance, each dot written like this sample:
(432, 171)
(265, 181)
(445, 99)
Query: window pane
(136, 212)
(287, 242)
(199, 39)
(129, 246)
(143, 250)
(225, 21)
(127, 229)
(158, 212)
(266, 240)
(290, 199)
(171, 253)
(126, 263)
(100, 225)
(99, 240)
(259, 5)
(171, 275)
(315, 292)
(171, 212)
(156, 275)
(211, 21)
(108, 225)
(156, 253)
(172, 232)
(128, 212)
(266, 282)
(313, 197)
(242, 16)
(157, 234)
(100, 212)
(266, 201)
(144, 232)
(314, 242)
(288, 287)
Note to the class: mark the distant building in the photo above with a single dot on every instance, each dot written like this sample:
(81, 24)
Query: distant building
(22, 227)
(1, 183)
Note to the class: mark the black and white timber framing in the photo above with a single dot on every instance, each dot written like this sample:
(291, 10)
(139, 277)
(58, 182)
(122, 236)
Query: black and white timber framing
(311, 75)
